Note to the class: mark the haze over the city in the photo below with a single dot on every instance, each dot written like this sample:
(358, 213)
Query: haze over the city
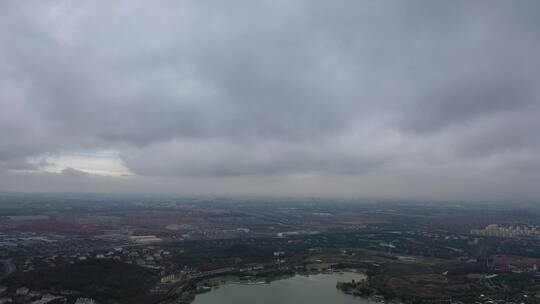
(382, 99)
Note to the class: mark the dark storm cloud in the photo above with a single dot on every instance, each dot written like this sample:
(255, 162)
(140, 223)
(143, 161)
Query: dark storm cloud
(471, 99)
(363, 89)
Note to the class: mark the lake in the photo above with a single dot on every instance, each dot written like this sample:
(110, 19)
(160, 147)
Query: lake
(313, 289)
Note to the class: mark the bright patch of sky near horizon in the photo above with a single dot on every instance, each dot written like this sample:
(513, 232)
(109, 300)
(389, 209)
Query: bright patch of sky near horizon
(106, 163)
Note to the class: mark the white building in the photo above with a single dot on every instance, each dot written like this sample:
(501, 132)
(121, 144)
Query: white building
(85, 301)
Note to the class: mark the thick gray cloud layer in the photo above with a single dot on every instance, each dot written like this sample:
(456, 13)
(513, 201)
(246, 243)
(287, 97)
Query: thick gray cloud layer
(392, 95)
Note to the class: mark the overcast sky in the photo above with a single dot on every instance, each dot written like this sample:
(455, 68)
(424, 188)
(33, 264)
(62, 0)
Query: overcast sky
(390, 99)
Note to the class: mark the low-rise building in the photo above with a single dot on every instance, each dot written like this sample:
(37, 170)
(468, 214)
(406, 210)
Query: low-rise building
(85, 301)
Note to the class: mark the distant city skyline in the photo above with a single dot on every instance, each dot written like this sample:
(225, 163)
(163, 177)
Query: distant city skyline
(428, 100)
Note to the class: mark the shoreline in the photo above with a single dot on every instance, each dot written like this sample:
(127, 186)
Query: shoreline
(216, 282)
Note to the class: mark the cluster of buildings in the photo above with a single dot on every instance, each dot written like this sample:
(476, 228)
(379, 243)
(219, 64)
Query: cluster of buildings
(85, 301)
(507, 231)
(25, 295)
(146, 256)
